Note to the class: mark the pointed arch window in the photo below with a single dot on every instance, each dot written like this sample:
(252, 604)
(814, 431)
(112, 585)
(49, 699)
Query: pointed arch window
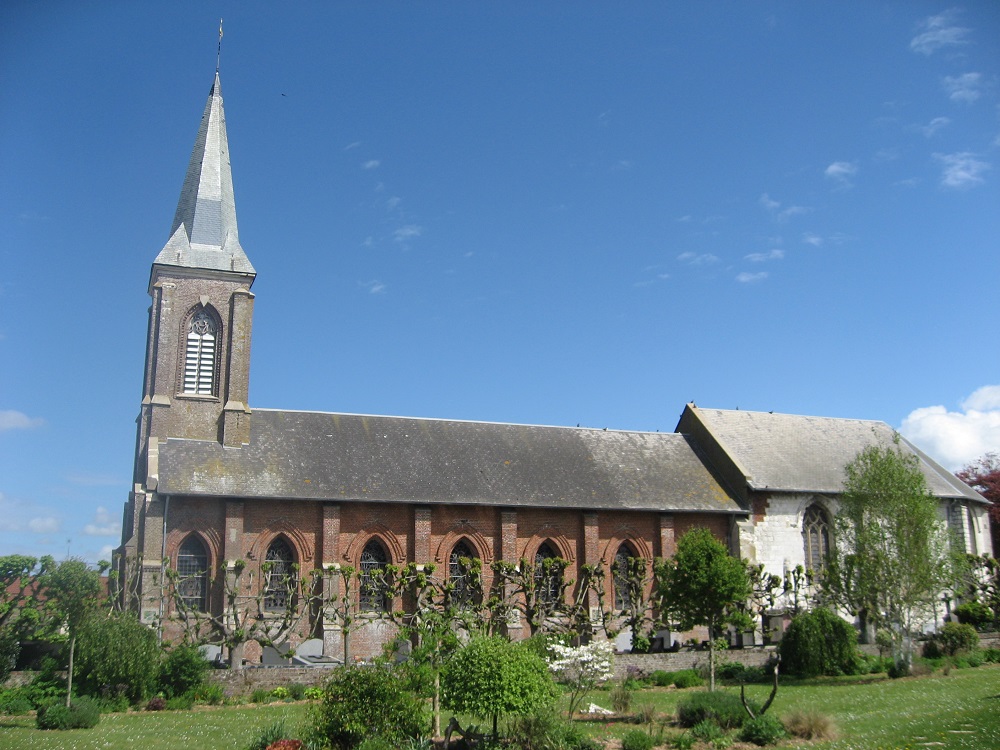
(458, 573)
(816, 536)
(200, 353)
(373, 596)
(192, 571)
(279, 575)
(548, 578)
(620, 575)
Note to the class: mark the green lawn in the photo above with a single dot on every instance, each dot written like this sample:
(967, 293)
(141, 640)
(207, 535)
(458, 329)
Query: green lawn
(960, 710)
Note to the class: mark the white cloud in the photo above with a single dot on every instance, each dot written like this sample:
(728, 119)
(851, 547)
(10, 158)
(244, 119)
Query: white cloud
(812, 239)
(955, 438)
(371, 164)
(774, 254)
(963, 88)
(938, 32)
(374, 286)
(15, 420)
(750, 278)
(772, 206)
(44, 525)
(841, 171)
(408, 232)
(694, 259)
(934, 126)
(351, 146)
(103, 524)
(767, 202)
(961, 170)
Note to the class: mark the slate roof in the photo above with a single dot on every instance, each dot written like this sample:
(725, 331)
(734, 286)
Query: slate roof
(204, 233)
(790, 453)
(322, 456)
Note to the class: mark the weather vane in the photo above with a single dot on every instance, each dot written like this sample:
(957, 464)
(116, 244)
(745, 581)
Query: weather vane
(218, 56)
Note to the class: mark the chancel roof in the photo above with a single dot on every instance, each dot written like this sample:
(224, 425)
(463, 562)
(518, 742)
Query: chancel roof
(791, 453)
(322, 456)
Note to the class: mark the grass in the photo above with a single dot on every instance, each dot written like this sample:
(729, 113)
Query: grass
(960, 710)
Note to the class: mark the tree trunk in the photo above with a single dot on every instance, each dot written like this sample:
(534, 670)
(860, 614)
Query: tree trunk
(347, 646)
(236, 656)
(69, 675)
(711, 662)
(436, 705)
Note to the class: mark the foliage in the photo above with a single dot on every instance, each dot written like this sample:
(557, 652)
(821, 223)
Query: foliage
(492, 677)
(891, 561)
(956, 638)
(82, 713)
(662, 678)
(546, 730)
(976, 614)
(72, 591)
(582, 668)
(762, 730)
(819, 643)
(810, 725)
(313, 693)
(706, 731)
(359, 702)
(982, 585)
(270, 734)
(687, 678)
(20, 609)
(261, 695)
(180, 703)
(117, 655)
(47, 684)
(621, 698)
(704, 585)
(725, 709)
(14, 702)
(632, 578)
(636, 739)
(156, 703)
(183, 670)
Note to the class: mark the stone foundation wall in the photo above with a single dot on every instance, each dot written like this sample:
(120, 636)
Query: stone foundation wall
(672, 662)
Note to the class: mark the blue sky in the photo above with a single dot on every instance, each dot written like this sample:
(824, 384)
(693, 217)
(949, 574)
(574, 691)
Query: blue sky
(546, 213)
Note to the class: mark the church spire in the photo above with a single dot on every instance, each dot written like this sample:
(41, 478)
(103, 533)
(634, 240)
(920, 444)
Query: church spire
(204, 233)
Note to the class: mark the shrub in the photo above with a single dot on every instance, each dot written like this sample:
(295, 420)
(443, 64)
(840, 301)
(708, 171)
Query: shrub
(14, 703)
(932, 650)
(376, 743)
(313, 693)
(159, 703)
(975, 614)
(731, 670)
(180, 703)
(546, 730)
(365, 702)
(113, 704)
(992, 655)
(819, 643)
(281, 693)
(635, 739)
(261, 695)
(47, 686)
(81, 714)
(621, 698)
(899, 669)
(811, 725)
(645, 713)
(211, 693)
(706, 731)
(762, 730)
(662, 678)
(297, 691)
(183, 671)
(272, 733)
(683, 741)
(113, 651)
(688, 678)
(725, 709)
(285, 745)
(956, 638)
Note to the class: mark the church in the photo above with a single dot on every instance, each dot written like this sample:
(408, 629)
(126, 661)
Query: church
(216, 481)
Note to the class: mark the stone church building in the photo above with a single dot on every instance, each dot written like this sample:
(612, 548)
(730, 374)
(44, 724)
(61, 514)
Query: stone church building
(216, 481)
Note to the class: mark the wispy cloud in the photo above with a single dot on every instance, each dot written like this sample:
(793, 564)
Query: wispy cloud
(812, 239)
(961, 170)
(938, 32)
(697, 259)
(16, 420)
(841, 172)
(352, 146)
(934, 126)
(44, 525)
(964, 88)
(103, 524)
(749, 278)
(781, 214)
(768, 202)
(955, 438)
(407, 232)
(371, 164)
(774, 254)
(374, 286)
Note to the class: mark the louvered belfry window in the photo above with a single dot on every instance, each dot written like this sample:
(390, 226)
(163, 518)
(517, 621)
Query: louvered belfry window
(199, 356)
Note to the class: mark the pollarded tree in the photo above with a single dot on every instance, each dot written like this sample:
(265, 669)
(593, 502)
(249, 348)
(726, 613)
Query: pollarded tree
(891, 561)
(492, 677)
(704, 585)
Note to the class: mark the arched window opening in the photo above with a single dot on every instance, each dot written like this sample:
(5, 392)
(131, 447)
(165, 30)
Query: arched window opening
(816, 533)
(192, 574)
(458, 573)
(200, 354)
(548, 578)
(279, 575)
(373, 594)
(620, 576)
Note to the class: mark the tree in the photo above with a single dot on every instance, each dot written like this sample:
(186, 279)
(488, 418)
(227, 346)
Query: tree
(492, 677)
(19, 606)
(983, 475)
(117, 656)
(891, 560)
(704, 585)
(72, 591)
(582, 668)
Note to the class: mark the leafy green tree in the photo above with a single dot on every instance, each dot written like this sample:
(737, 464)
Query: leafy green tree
(819, 643)
(119, 655)
(704, 585)
(183, 670)
(19, 606)
(892, 558)
(491, 677)
(72, 591)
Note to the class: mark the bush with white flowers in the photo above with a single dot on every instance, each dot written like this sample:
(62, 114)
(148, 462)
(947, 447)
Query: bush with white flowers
(581, 668)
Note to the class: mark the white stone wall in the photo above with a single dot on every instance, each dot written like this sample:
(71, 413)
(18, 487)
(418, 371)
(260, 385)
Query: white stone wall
(777, 541)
